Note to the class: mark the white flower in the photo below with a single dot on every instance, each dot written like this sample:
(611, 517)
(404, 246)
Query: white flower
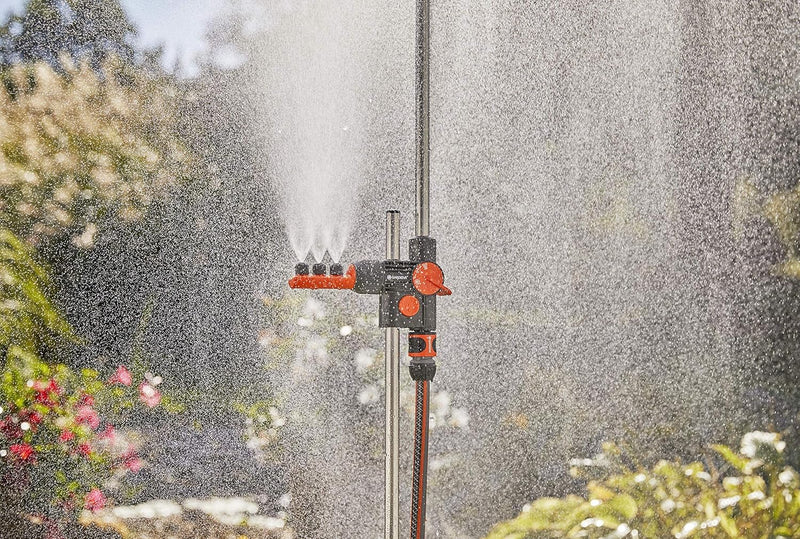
(730, 482)
(459, 418)
(440, 403)
(787, 476)
(368, 395)
(621, 531)
(314, 309)
(277, 419)
(86, 239)
(365, 358)
(752, 442)
(285, 500)
(727, 502)
(687, 529)
(345, 331)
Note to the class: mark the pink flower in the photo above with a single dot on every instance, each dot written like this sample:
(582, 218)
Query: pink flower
(108, 433)
(149, 395)
(10, 428)
(95, 500)
(88, 416)
(47, 394)
(66, 436)
(132, 461)
(85, 449)
(53, 531)
(122, 376)
(23, 451)
(34, 418)
(86, 400)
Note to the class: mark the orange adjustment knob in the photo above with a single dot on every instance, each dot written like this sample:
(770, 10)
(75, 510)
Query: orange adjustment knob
(428, 279)
(408, 306)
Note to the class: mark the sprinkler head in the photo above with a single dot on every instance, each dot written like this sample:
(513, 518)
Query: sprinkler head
(301, 268)
(337, 269)
(318, 269)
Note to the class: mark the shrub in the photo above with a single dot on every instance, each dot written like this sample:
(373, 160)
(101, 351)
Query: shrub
(756, 496)
(80, 147)
(59, 438)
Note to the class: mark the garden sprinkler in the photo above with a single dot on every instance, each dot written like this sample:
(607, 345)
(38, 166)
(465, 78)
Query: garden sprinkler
(407, 290)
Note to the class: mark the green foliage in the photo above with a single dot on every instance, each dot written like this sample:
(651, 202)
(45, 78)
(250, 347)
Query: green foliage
(52, 447)
(85, 29)
(758, 497)
(28, 320)
(782, 209)
(86, 137)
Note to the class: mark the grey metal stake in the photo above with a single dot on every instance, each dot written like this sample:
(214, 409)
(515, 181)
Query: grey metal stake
(392, 377)
(423, 125)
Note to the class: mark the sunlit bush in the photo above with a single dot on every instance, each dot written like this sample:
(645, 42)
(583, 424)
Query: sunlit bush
(61, 444)
(60, 441)
(79, 147)
(782, 209)
(755, 496)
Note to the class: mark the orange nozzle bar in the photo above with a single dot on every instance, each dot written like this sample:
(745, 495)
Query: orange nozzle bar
(320, 282)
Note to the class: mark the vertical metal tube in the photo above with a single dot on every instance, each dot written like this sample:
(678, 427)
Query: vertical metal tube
(392, 437)
(422, 87)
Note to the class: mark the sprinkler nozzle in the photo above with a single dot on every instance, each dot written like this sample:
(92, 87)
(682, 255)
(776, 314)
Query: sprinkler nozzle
(319, 269)
(318, 281)
(336, 269)
(301, 268)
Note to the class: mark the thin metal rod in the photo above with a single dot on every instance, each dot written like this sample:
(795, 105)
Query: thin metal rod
(392, 437)
(422, 138)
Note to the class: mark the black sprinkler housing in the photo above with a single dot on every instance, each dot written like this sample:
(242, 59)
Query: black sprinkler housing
(402, 305)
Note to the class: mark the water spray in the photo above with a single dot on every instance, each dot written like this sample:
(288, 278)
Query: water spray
(407, 291)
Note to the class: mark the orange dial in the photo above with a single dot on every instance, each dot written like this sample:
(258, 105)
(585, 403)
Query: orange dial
(428, 279)
(408, 306)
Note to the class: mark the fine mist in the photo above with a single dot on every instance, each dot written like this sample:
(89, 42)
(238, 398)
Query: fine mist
(583, 221)
(316, 114)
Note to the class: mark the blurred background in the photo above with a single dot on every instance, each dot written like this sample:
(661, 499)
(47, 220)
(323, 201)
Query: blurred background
(614, 196)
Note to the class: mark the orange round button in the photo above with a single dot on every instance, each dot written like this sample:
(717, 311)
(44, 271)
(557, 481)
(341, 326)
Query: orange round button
(428, 278)
(408, 305)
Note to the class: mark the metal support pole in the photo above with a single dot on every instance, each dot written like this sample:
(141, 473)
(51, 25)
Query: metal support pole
(422, 87)
(392, 355)
(422, 228)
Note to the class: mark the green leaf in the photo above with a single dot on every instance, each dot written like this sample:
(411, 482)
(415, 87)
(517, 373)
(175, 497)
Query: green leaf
(728, 524)
(623, 504)
(734, 459)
